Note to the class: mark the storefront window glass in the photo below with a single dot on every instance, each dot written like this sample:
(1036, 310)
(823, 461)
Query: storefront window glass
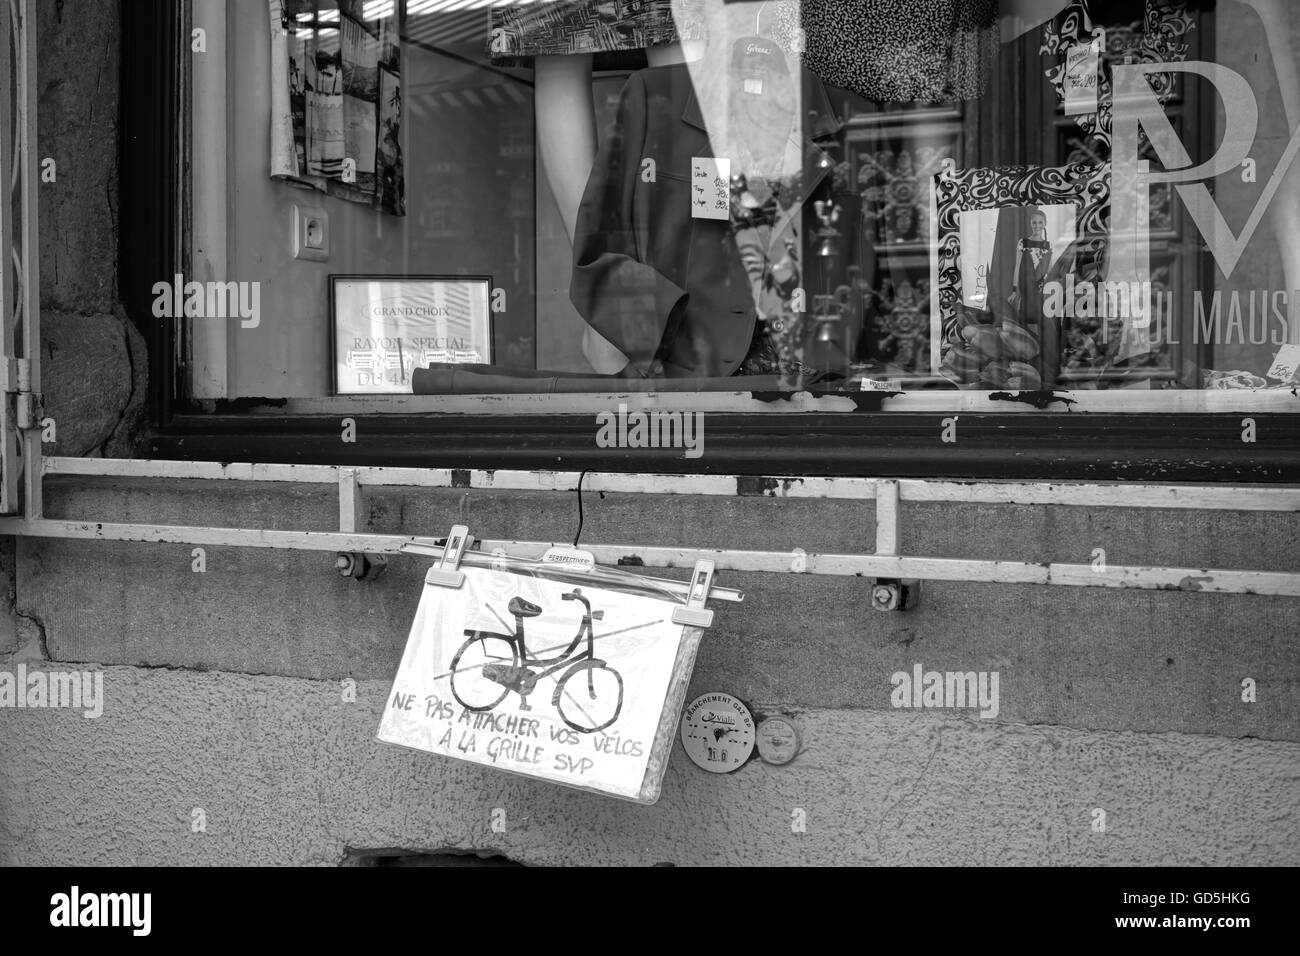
(460, 197)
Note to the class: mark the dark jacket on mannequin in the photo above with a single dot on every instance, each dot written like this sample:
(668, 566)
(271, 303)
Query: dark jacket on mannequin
(667, 289)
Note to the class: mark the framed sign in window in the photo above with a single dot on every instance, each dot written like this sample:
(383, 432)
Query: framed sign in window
(385, 327)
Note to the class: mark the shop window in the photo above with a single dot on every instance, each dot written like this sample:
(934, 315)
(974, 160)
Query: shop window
(1059, 204)
(929, 206)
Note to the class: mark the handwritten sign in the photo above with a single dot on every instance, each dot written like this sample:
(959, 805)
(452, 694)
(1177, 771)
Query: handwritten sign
(578, 684)
(1286, 364)
(710, 188)
(1079, 82)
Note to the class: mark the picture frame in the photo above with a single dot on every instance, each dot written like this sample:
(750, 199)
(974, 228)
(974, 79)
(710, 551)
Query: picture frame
(383, 327)
(989, 211)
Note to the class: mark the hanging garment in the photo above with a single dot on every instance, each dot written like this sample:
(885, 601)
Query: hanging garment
(673, 292)
(894, 50)
(336, 101)
(590, 26)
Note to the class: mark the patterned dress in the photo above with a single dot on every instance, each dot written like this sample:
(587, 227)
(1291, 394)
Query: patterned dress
(894, 50)
(518, 33)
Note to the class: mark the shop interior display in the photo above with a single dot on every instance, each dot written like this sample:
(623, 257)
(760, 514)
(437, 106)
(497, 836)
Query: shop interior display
(845, 245)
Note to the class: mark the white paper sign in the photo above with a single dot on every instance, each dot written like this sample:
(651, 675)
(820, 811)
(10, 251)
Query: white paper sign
(880, 385)
(545, 678)
(387, 327)
(710, 188)
(1285, 364)
(1082, 71)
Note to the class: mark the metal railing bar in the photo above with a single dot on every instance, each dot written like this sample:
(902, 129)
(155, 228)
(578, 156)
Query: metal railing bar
(851, 565)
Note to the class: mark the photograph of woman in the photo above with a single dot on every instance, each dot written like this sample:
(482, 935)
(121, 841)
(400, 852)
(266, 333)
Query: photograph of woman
(1033, 256)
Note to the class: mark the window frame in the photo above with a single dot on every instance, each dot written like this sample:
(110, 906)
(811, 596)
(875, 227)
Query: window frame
(751, 439)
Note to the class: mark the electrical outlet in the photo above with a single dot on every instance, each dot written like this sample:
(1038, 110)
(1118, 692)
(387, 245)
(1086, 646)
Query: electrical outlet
(311, 233)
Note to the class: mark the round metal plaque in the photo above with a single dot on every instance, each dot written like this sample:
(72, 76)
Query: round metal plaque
(717, 732)
(778, 740)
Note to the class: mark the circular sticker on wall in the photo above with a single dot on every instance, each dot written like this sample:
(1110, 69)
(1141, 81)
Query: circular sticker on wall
(717, 732)
(778, 740)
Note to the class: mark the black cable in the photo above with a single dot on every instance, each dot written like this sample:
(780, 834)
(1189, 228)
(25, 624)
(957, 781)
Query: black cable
(579, 534)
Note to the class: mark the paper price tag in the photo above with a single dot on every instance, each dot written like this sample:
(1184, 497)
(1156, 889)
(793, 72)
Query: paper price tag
(880, 385)
(710, 188)
(1082, 74)
(1286, 364)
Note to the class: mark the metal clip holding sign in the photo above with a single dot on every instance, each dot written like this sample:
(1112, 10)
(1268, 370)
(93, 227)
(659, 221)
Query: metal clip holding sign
(446, 573)
(694, 612)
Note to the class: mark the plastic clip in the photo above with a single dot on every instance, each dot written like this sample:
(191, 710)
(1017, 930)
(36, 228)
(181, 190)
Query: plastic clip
(693, 612)
(446, 573)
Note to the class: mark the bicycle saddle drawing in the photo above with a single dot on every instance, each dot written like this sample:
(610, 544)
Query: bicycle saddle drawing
(521, 608)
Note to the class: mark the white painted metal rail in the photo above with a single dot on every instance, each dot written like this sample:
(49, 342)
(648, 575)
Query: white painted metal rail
(888, 495)
(20, 312)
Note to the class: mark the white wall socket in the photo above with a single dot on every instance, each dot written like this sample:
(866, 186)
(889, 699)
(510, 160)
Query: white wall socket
(311, 233)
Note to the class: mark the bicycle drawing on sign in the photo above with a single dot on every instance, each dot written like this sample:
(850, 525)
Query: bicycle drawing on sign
(489, 666)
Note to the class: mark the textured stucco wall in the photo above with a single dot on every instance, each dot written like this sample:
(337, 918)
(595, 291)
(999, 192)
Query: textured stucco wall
(224, 692)
(285, 772)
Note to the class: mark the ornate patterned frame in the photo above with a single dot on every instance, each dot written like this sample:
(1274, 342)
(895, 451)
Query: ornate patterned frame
(1083, 185)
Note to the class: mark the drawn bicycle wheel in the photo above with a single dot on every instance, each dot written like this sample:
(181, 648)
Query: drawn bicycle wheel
(469, 685)
(589, 696)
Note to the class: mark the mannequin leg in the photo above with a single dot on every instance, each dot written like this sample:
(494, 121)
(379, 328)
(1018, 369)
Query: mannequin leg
(566, 129)
(566, 140)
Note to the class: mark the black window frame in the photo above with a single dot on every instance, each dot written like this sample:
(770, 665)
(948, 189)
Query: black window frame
(1051, 444)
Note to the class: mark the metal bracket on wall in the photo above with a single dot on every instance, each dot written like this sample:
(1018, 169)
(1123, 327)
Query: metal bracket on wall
(353, 564)
(888, 494)
(447, 573)
(694, 613)
(888, 594)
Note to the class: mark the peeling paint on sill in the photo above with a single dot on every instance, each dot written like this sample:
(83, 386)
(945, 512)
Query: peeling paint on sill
(1039, 399)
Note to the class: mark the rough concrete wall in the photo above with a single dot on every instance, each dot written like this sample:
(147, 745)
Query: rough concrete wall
(224, 693)
(93, 362)
(1100, 659)
(92, 359)
(77, 110)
